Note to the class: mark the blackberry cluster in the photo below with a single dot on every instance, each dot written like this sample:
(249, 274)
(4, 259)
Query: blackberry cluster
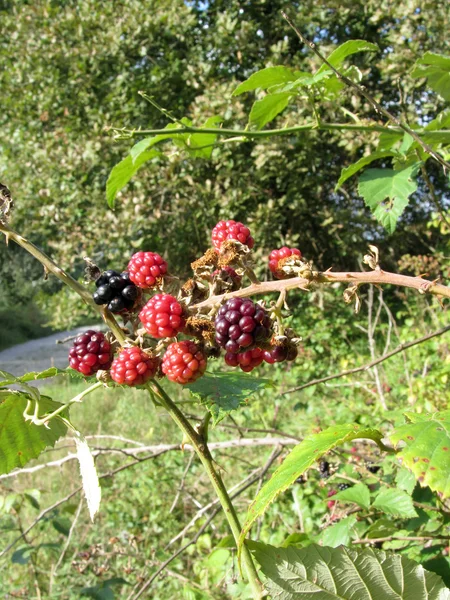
(241, 324)
(343, 486)
(324, 469)
(147, 269)
(116, 290)
(90, 352)
(134, 367)
(184, 362)
(278, 255)
(162, 316)
(231, 230)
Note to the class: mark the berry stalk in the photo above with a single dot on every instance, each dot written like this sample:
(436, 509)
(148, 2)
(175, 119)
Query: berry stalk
(201, 448)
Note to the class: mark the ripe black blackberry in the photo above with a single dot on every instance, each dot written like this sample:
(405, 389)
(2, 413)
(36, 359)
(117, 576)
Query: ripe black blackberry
(116, 290)
(372, 468)
(324, 469)
(343, 486)
(241, 324)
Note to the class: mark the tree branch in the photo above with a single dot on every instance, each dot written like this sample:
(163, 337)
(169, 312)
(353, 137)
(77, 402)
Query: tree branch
(368, 366)
(362, 92)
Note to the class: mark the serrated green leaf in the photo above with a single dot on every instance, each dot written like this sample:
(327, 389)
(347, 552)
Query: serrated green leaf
(405, 480)
(427, 449)
(123, 172)
(345, 574)
(349, 171)
(387, 140)
(21, 441)
(200, 145)
(339, 533)
(265, 78)
(265, 110)
(395, 502)
(386, 192)
(346, 49)
(298, 461)
(381, 528)
(436, 68)
(225, 392)
(359, 494)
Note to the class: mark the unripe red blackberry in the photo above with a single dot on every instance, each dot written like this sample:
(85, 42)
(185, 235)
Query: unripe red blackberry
(276, 255)
(90, 352)
(162, 316)
(146, 269)
(241, 324)
(116, 290)
(134, 367)
(183, 362)
(231, 230)
(247, 360)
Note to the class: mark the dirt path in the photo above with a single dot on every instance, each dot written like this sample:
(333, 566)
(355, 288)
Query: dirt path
(38, 355)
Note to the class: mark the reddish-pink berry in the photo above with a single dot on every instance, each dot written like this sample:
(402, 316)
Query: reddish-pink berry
(276, 255)
(231, 230)
(90, 352)
(162, 316)
(146, 269)
(247, 361)
(134, 367)
(183, 362)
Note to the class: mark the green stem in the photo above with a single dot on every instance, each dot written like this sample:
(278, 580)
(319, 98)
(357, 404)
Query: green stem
(51, 267)
(204, 455)
(276, 132)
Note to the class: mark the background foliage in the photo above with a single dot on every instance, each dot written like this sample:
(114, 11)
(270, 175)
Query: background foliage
(68, 71)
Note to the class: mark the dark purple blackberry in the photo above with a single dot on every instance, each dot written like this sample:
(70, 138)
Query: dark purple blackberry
(116, 290)
(241, 324)
(324, 468)
(300, 480)
(372, 468)
(343, 486)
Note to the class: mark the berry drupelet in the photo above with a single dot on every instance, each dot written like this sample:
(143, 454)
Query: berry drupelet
(162, 316)
(278, 255)
(247, 360)
(116, 290)
(231, 230)
(90, 353)
(146, 269)
(241, 324)
(134, 367)
(184, 362)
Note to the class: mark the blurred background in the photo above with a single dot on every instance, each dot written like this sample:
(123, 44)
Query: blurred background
(71, 70)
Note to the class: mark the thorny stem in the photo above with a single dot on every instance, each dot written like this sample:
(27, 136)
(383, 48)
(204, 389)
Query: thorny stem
(205, 457)
(362, 92)
(243, 134)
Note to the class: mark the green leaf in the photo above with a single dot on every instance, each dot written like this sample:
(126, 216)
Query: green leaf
(265, 110)
(265, 78)
(381, 528)
(103, 590)
(203, 141)
(21, 441)
(395, 502)
(298, 461)
(339, 533)
(436, 68)
(345, 574)
(346, 49)
(427, 449)
(349, 171)
(224, 392)
(405, 480)
(22, 555)
(149, 142)
(123, 172)
(359, 494)
(386, 192)
(388, 139)
(62, 525)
